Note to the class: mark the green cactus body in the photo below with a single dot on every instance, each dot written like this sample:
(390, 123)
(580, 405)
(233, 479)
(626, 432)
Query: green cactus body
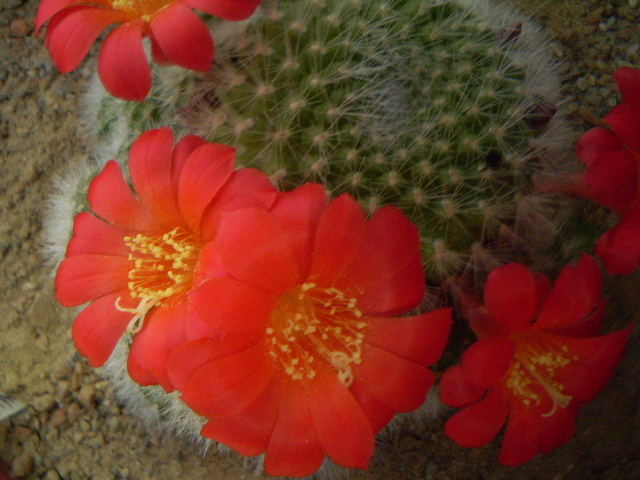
(427, 105)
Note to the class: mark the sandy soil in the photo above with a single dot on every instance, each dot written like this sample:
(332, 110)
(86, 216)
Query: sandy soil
(74, 428)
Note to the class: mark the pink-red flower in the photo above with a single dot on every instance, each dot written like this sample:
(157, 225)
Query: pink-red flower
(537, 361)
(178, 36)
(612, 158)
(297, 354)
(137, 256)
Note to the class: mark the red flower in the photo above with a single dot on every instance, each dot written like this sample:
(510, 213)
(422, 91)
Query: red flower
(612, 158)
(177, 36)
(537, 361)
(296, 354)
(136, 259)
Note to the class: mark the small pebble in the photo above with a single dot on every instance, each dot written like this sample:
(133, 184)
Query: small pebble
(43, 402)
(52, 475)
(86, 396)
(58, 417)
(74, 412)
(19, 28)
(21, 433)
(22, 466)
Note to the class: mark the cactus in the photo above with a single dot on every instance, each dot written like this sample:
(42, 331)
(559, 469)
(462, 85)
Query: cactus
(441, 107)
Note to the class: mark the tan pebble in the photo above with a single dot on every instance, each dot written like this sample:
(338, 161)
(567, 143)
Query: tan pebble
(44, 402)
(51, 475)
(95, 441)
(62, 389)
(21, 433)
(86, 396)
(58, 417)
(102, 385)
(73, 412)
(22, 466)
(20, 28)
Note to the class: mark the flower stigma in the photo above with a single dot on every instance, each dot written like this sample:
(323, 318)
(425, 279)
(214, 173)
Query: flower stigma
(537, 363)
(161, 268)
(310, 323)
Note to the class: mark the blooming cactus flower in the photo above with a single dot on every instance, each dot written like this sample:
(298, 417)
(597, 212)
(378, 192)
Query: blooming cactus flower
(537, 361)
(136, 258)
(177, 36)
(298, 355)
(612, 157)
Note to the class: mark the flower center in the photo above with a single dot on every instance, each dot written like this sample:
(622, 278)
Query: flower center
(311, 323)
(161, 268)
(537, 362)
(144, 9)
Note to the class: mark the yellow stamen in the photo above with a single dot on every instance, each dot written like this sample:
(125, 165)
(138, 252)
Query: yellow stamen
(162, 267)
(310, 322)
(537, 362)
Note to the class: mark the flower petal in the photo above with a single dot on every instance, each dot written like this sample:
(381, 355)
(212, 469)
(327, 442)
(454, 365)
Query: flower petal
(557, 429)
(164, 330)
(186, 359)
(334, 412)
(185, 147)
(249, 431)
(478, 424)
(299, 212)
(111, 199)
(612, 178)
(592, 363)
(92, 235)
(575, 295)
(254, 248)
(420, 338)
(378, 413)
(458, 390)
(182, 37)
(209, 265)
(595, 142)
(150, 162)
(72, 31)
(227, 10)
(98, 328)
(388, 266)
(83, 278)
(624, 119)
(628, 79)
(399, 383)
(338, 239)
(522, 437)
(48, 8)
(511, 296)
(122, 63)
(230, 305)
(204, 172)
(619, 248)
(486, 362)
(294, 449)
(226, 386)
(246, 187)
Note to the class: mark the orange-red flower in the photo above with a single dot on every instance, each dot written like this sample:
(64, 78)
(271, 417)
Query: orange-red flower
(137, 256)
(537, 361)
(612, 157)
(296, 354)
(177, 36)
